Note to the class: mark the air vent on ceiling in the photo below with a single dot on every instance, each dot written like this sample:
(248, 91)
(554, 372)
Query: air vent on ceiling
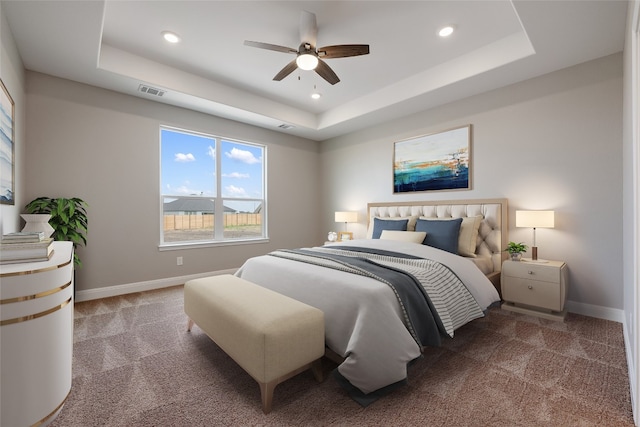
(151, 90)
(286, 126)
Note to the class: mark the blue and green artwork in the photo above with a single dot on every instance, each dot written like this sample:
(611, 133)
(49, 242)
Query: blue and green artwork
(433, 162)
(6, 148)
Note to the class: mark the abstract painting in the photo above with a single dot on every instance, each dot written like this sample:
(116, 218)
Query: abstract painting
(439, 161)
(7, 151)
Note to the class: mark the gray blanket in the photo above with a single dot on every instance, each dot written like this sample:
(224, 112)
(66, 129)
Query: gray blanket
(450, 305)
(421, 318)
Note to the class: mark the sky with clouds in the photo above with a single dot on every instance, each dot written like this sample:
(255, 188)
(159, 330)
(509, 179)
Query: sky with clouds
(188, 166)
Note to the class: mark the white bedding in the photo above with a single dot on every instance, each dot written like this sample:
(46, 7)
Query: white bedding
(484, 263)
(363, 320)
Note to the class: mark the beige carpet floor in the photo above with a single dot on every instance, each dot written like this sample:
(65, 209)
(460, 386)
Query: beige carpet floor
(135, 365)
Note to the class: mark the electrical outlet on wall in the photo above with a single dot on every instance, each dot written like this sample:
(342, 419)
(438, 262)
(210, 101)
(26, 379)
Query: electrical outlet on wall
(179, 260)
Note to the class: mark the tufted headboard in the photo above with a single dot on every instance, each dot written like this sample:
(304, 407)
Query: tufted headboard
(492, 234)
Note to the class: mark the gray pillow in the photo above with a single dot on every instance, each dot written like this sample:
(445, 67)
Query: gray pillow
(441, 234)
(381, 224)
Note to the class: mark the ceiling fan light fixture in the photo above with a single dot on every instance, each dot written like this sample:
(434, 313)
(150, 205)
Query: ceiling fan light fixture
(307, 61)
(170, 36)
(308, 55)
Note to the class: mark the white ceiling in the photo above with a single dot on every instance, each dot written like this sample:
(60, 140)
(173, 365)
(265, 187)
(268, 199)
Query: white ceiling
(117, 45)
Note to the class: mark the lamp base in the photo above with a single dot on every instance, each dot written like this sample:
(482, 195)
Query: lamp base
(534, 256)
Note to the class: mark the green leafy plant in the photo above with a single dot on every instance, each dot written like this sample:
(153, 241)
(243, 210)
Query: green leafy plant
(68, 219)
(516, 248)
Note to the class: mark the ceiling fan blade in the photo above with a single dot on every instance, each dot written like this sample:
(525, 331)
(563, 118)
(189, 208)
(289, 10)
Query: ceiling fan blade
(308, 28)
(288, 69)
(343, 50)
(326, 72)
(268, 46)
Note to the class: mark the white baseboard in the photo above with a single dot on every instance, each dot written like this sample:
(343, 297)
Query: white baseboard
(607, 313)
(112, 291)
(630, 367)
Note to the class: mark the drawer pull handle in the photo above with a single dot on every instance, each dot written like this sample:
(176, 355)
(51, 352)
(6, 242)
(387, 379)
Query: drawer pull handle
(529, 272)
(530, 287)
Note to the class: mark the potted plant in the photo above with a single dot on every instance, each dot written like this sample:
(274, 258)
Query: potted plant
(68, 219)
(515, 250)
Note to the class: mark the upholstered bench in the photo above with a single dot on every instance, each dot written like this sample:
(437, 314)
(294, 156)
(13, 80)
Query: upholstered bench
(271, 336)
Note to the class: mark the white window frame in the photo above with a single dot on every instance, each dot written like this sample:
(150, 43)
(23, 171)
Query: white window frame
(219, 200)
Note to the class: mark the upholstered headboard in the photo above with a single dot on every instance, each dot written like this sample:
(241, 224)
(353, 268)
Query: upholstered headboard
(492, 234)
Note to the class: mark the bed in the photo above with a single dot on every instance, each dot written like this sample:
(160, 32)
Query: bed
(391, 294)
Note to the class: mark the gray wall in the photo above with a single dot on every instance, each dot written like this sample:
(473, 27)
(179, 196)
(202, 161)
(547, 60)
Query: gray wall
(554, 142)
(103, 147)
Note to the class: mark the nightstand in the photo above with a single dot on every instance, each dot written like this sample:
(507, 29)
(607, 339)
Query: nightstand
(536, 288)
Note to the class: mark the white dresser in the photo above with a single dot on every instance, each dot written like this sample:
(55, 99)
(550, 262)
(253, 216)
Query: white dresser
(36, 338)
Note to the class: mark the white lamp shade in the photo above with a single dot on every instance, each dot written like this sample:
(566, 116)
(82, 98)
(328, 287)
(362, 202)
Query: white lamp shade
(535, 219)
(346, 216)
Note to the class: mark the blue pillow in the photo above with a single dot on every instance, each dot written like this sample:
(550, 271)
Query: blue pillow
(388, 224)
(441, 234)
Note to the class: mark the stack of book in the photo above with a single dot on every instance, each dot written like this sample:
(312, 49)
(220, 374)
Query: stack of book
(25, 247)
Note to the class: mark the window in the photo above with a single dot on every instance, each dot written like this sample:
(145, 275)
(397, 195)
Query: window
(212, 189)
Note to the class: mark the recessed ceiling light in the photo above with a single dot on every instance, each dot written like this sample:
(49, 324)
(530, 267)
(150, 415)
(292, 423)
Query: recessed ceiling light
(446, 31)
(170, 37)
(316, 95)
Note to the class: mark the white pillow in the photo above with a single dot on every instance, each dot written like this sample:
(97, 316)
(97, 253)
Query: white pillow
(411, 223)
(404, 236)
(468, 236)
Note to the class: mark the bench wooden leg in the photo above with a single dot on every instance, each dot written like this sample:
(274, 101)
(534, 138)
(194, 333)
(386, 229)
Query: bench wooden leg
(266, 389)
(189, 325)
(266, 392)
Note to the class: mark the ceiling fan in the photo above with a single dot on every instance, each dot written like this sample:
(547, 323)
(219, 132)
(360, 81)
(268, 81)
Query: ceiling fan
(308, 56)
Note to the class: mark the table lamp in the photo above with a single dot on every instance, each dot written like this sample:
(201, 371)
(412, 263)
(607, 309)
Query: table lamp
(535, 219)
(346, 217)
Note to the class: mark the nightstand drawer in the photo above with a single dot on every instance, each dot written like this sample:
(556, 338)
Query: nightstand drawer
(534, 292)
(532, 271)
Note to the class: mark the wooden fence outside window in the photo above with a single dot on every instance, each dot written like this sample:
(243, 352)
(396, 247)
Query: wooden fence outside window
(194, 222)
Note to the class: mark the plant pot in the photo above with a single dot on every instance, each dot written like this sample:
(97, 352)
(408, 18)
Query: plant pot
(37, 222)
(516, 256)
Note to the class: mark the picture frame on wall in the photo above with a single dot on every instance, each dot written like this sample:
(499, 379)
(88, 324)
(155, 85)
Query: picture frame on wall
(7, 149)
(434, 162)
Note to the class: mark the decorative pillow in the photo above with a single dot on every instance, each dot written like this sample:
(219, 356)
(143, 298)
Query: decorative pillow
(411, 223)
(404, 236)
(441, 234)
(387, 224)
(469, 236)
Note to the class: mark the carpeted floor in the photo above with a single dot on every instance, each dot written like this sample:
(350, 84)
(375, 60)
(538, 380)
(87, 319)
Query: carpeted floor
(135, 365)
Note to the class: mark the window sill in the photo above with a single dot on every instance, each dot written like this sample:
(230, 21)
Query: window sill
(210, 244)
